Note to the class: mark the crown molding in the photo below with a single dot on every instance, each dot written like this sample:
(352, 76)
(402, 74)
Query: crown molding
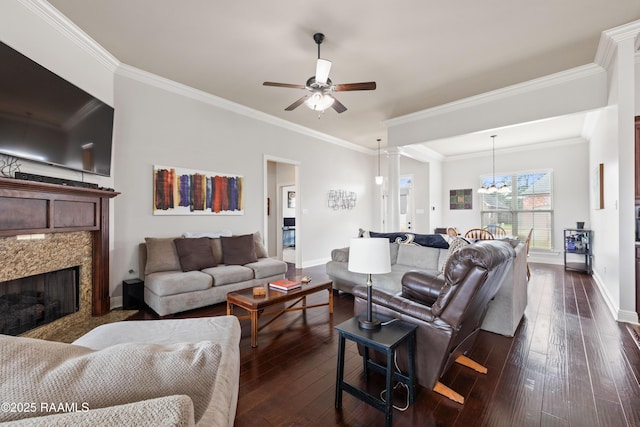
(609, 40)
(216, 101)
(498, 94)
(71, 31)
(546, 145)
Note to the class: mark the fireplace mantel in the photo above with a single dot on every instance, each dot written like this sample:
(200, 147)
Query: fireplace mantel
(28, 207)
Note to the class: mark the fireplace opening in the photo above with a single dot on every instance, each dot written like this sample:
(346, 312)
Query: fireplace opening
(32, 301)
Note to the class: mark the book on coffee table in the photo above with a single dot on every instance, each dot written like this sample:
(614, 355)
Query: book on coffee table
(284, 285)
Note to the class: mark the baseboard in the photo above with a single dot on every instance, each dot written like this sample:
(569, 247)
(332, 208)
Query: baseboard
(619, 315)
(314, 262)
(116, 302)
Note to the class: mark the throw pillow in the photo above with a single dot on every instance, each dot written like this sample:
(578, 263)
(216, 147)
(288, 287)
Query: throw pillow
(238, 250)
(430, 240)
(34, 370)
(261, 250)
(455, 243)
(194, 254)
(161, 255)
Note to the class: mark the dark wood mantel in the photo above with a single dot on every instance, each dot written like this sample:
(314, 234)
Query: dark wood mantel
(28, 207)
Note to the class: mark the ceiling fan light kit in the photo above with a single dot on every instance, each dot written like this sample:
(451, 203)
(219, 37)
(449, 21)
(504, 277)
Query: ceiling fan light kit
(320, 86)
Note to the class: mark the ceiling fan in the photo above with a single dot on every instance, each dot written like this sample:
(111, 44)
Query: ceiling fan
(321, 87)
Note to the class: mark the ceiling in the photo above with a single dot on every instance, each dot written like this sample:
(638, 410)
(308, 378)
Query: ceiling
(421, 53)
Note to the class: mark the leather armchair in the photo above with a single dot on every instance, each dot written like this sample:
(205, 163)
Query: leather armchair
(448, 309)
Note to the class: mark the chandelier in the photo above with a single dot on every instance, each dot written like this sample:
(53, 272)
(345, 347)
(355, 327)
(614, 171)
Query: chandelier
(501, 187)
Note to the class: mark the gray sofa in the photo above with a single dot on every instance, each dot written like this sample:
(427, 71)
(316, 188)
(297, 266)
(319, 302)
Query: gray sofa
(505, 310)
(172, 372)
(178, 279)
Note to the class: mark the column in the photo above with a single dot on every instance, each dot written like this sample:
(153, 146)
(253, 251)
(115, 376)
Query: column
(393, 191)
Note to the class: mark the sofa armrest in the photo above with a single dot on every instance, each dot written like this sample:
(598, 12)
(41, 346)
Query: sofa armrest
(422, 287)
(395, 303)
(340, 255)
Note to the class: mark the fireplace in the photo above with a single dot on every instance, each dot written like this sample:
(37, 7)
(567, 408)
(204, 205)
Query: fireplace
(33, 301)
(47, 227)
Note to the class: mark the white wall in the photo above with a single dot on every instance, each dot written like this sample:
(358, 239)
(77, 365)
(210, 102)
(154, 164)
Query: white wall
(605, 222)
(167, 127)
(569, 162)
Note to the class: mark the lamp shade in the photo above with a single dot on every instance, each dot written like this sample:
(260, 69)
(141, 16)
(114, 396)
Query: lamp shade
(369, 256)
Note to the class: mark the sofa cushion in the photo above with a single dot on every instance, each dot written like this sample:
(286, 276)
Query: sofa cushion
(194, 253)
(455, 243)
(216, 248)
(226, 274)
(430, 240)
(261, 250)
(238, 250)
(34, 370)
(165, 283)
(425, 258)
(161, 255)
(267, 267)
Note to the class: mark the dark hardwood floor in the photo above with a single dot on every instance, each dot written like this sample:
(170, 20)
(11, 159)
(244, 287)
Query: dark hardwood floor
(570, 364)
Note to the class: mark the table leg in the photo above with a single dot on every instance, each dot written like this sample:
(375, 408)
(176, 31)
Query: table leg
(340, 371)
(254, 327)
(229, 308)
(412, 368)
(365, 362)
(331, 300)
(388, 411)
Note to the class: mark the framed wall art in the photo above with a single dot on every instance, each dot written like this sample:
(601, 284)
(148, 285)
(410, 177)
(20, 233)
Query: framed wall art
(461, 199)
(180, 191)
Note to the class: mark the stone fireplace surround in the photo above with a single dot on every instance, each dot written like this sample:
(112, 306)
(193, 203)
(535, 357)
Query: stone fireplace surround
(64, 227)
(54, 252)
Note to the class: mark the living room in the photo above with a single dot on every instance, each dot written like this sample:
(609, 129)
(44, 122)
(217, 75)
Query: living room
(152, 113)
(161, 122)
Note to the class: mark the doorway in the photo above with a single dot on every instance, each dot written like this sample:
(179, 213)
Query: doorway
(282, 213)
(406, 203)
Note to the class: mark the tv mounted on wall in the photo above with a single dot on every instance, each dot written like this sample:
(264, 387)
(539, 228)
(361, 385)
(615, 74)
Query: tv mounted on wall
(46, 119)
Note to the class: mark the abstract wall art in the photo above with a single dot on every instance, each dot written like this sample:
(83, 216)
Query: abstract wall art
(180, 191)
(461, 199)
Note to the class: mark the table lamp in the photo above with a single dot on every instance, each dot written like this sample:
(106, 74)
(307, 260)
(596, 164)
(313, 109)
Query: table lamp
(369, 256)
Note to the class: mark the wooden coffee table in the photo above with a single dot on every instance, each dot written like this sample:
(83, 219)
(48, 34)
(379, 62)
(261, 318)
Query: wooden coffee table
(256, 305)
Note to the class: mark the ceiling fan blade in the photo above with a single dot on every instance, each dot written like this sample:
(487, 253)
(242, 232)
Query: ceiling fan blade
(297, 103)
(355, 86)
(323, 67)
(283, 85)
(338, 106)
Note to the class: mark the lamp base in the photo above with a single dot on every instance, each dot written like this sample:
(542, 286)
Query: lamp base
(372, 325)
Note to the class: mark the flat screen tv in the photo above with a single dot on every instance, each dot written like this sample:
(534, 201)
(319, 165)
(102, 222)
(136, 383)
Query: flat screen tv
(46, 119)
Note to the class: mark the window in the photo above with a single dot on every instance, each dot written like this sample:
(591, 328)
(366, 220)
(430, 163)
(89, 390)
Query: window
(528, 206)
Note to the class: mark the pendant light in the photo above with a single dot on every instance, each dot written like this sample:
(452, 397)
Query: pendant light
(502, 188)
(379, 177)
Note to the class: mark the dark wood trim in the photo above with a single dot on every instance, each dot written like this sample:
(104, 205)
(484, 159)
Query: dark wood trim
(34, 207)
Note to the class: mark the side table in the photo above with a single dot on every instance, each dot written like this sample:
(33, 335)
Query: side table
(386, 340)
(132, 294)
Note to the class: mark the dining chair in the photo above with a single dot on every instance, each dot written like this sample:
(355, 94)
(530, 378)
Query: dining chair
(527, 244)
(478, 234)
(496, 230)
(451, 231)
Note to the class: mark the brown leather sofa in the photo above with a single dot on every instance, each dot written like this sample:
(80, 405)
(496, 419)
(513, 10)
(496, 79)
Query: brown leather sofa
(448, 310)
